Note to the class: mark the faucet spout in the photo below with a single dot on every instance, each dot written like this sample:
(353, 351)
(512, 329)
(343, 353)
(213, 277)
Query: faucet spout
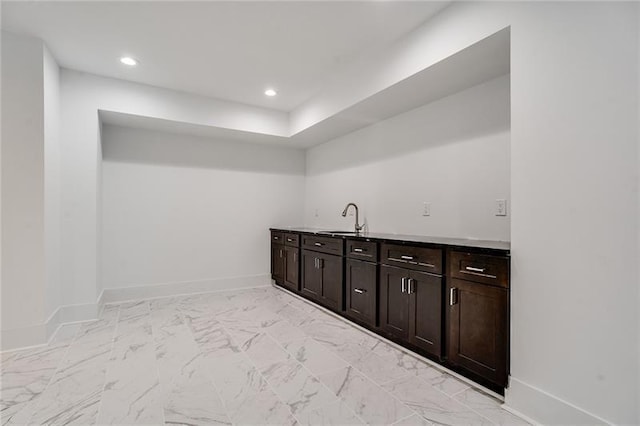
(358, 227)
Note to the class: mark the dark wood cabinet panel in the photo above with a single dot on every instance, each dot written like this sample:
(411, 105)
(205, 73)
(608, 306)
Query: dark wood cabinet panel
(412, 257)
(481, 268)
(361, 280)
(322, 278)
(292, 268)
(425, 328)
(362, 250)
(329, 245)
(292, 240)
(332, 288)
(478, 329)
(277, 263)
(394, 301)
(311, 276)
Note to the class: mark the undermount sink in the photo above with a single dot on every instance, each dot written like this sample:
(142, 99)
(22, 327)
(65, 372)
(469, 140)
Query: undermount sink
(339, 232)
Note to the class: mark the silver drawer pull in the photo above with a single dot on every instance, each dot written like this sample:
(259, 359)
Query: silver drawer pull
(359, 290)
(406, 257)
(472, 269)
(276, 238)
(318, 244)
(453, 296)
(357, 250)
(289, 239)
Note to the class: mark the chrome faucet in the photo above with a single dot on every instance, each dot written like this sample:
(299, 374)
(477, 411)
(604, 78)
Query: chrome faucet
(344, 214)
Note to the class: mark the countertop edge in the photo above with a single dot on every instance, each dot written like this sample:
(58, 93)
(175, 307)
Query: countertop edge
(503, 247)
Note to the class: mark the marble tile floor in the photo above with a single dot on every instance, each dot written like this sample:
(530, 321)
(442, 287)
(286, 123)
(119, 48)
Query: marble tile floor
(254, 356)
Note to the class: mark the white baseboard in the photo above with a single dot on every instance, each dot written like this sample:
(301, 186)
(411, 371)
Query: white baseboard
(543, 408)
(41, 334)
(123, 294)
(38, 335)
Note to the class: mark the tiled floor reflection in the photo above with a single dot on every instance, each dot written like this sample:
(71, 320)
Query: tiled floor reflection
(258, 356)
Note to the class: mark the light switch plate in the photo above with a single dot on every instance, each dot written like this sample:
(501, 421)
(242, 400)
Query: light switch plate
(501, 207)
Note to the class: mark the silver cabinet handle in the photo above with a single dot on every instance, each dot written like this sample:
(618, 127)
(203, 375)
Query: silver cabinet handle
(453, 296)
(318, 244)
(410, 289)
(294, 256)
(315, 262)
(406, 257)
(276, 238)
(403, 284)
(280, 253)
(472, 269)
(289, 239)
(320, 263)
(357, 250)
(359, 290)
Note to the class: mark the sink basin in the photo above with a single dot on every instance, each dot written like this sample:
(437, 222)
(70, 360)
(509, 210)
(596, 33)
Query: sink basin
(339, 232)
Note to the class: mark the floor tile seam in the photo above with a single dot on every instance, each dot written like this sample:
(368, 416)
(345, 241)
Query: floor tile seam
(411, 415)
(389, 394)
(209, 379)
(318, 379)
(58, 367)
(405, 351)
(254, 365)
(155, 356)
(452, 399)
(113, 344)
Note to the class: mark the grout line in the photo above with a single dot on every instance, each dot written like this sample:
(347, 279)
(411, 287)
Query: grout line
(201, 354)
(36, 399)
(106, 367)
(408, 352)
(409, 374)
(350, 365)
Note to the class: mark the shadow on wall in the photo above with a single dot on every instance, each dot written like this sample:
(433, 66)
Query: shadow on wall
(130, 145)
(479, 111)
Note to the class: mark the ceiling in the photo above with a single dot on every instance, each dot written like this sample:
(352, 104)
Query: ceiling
(225, 50)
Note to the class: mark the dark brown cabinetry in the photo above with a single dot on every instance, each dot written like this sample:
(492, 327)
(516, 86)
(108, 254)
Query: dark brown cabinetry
(277, 257)
(285, 260)
(361, 291)
(411, 307)
(322, 278)
(441, 300)
(478, 315)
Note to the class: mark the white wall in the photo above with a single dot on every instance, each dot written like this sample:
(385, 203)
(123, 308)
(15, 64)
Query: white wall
(23, 202)
(52, 181)
(82, 96)
(181, 208)
(452, 153)
(575, 209)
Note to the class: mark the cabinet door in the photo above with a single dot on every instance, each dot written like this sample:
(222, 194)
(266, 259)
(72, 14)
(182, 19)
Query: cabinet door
(277, 263)
(394, 302)
(311, 275)
(332, 289)
(292, 268)
(478, 328)
(425, 312)
(360, 285)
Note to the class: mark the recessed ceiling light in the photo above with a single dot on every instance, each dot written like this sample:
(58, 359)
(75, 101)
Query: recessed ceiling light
(128, 61)
(270, 92)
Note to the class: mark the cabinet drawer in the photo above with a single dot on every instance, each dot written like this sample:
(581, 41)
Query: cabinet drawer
(481, 268)
(292, 240)
(323, 244)
(363, 250)
(277, 237)
(412, 257)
